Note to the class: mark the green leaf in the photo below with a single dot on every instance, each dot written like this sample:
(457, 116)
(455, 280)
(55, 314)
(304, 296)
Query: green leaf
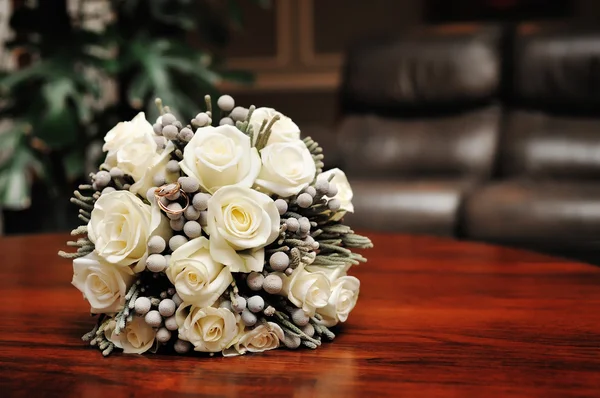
(10, 137)
(10, 133)
(138, 90)
(14, 190)
(12, 79)
(87, 85)
(177, 15)
(57, 130)
(74, 164)
(84, 111)
(151, 61)
(15, 178)
(58, 126)
(193, 70)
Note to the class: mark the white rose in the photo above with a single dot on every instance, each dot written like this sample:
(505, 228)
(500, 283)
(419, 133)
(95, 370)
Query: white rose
(104, 285)
(241, 222)
(157, 164)
(220, 156)
(137, 337)
(198, 279)
(344, 194)
(135, 157)
(287, 168)
(132, 148)
(208, 329)
(344, 294)
(261, 338)
(120, 227)
(125, 132)
(283, 130)
(307, 290)
(332, 273)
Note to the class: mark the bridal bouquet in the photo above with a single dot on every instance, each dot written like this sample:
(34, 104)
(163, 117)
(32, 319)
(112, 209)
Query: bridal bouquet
(221, 235)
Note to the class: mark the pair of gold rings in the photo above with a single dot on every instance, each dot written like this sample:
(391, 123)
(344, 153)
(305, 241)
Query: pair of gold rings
(169, 190)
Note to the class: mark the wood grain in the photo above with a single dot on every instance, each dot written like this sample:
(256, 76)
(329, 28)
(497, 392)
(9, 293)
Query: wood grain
(436, 318)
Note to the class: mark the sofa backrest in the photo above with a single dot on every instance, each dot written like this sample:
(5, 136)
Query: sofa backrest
(553, 129)
(429, 69)
(423, 103)
(556, 68)
(461, 145)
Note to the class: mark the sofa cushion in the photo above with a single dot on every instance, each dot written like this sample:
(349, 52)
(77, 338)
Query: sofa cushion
(547, 147)
(457, 146)
(557, 66)
(429, 66)
(420, 207)
(548, 215)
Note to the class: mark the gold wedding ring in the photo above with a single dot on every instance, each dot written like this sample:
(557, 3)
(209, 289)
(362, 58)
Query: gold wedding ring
(169, 190)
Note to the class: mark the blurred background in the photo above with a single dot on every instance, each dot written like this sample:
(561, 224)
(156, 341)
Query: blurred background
(473, 119)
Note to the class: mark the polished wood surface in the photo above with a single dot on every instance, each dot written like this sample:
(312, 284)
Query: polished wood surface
(436, 318)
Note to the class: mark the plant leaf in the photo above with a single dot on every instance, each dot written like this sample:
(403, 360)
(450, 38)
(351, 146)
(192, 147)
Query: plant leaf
(15, 179)
(58, 126)
(138, 90)
(9, 81)
(73, 163)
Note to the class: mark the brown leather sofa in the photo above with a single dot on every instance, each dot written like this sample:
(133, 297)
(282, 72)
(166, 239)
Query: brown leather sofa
(420, 126)
(480, 132)
(547, 196)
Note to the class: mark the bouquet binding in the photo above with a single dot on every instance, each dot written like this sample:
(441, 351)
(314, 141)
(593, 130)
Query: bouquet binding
(227, 239)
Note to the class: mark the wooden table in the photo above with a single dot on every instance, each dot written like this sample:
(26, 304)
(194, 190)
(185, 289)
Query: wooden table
(436, 318)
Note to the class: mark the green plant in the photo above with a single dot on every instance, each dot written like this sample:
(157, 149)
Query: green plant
(55, 106)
